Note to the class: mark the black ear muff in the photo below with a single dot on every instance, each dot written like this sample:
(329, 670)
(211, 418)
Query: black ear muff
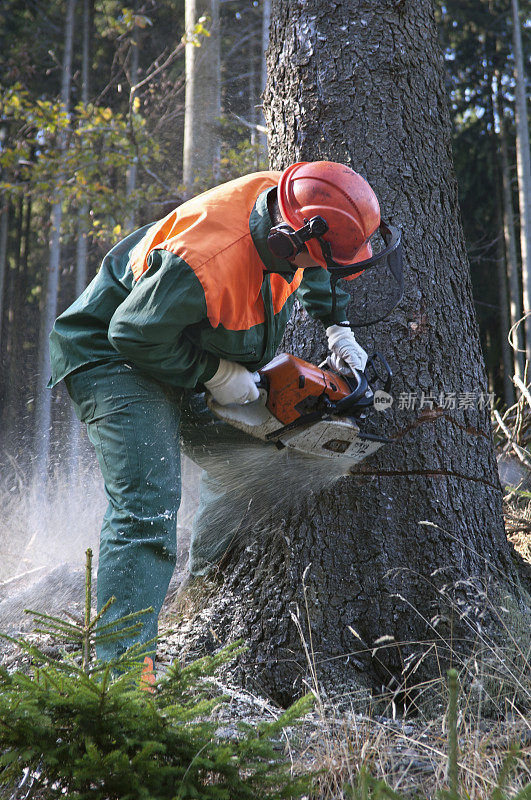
(285, 242)
(282, 241)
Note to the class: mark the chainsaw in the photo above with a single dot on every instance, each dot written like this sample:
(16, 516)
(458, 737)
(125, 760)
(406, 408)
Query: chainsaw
(313, 409)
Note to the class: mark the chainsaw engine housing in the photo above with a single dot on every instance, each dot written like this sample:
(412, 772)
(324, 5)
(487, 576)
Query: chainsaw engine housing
(295, 387)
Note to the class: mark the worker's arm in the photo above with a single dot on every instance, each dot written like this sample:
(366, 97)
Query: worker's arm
(315, 295)
(149, 327)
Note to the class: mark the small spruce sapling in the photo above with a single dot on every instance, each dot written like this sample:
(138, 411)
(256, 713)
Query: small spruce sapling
(87, 731)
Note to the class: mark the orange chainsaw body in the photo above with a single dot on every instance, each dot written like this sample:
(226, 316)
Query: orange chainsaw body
(293, 384)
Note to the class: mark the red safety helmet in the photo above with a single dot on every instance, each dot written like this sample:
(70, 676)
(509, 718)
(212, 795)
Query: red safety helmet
(343, 198)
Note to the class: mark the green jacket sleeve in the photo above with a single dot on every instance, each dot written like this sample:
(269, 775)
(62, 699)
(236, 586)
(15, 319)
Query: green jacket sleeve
(149, 327)
(315, 294)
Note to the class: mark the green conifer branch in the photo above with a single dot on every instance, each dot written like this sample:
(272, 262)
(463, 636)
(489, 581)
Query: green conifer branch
(88, 604)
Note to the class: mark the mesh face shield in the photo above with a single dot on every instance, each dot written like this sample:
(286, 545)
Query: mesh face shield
(375, 293)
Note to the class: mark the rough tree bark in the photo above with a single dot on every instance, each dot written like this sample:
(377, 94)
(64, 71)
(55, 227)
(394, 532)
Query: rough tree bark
(362, 83)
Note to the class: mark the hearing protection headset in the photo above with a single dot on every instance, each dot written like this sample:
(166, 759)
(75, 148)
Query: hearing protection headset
(286, 242)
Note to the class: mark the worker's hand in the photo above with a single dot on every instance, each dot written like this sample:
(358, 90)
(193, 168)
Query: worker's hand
(232, 383)
(347, 355)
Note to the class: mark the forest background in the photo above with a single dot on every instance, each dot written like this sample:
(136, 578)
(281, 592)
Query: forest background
(97, 138)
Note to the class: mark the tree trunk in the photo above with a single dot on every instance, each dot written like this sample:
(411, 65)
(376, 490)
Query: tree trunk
(6, 279)
(405, 547)
(501, 265)
(18, 334)
(501, 268)
(83, 224)
(523, 160)
(201, 153)
(43, 410)
(14, 330)
(132, 169)
(515, 303)
(4, 221)
(266, 21)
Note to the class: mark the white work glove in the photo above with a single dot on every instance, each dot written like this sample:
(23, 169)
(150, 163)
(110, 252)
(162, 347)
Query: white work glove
(232, 383)
(347, 355)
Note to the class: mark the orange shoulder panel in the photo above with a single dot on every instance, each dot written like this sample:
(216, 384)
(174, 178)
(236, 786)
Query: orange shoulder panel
(211, 234)
(206, 224)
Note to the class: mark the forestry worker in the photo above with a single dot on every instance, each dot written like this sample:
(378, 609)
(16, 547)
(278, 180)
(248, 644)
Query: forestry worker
(195, 302)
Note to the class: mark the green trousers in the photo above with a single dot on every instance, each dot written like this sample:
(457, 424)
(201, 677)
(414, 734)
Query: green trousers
(136, 425)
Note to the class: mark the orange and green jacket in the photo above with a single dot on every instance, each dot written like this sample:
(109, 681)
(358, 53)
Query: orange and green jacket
(199, 285)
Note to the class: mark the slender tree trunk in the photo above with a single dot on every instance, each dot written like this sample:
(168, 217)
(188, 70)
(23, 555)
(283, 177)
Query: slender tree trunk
(14, 330)
(10, 323)
(83, 217)
(4, 310)
(133, 166)
(19, 330)
(405, 546)
(501, 266)
(515, 303)
(83, 224)
(201, 153)
(523, 160)
(253, 117)
(43, 411)
(4, 222)
(507, 364)
(266, 21)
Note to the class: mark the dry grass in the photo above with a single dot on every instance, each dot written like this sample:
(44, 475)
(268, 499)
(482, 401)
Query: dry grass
(412, 756)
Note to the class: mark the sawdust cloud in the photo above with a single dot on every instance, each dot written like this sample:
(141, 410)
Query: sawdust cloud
(43, 536)
(257, 484)
(40, 530)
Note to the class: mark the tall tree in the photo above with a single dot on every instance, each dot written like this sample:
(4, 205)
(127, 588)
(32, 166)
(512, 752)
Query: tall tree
(201, 150)
(132, 170)
(523, 160)
(82, 232)
(82, 235)
(43, 415)
(4, 222)
(266, 21)
(404, 546)
(515, 293)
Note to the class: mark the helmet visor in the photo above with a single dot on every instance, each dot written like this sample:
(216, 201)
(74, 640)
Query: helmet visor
(375, 292)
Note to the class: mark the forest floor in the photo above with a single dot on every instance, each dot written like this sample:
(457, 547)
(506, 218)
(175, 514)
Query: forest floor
(410, 753)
